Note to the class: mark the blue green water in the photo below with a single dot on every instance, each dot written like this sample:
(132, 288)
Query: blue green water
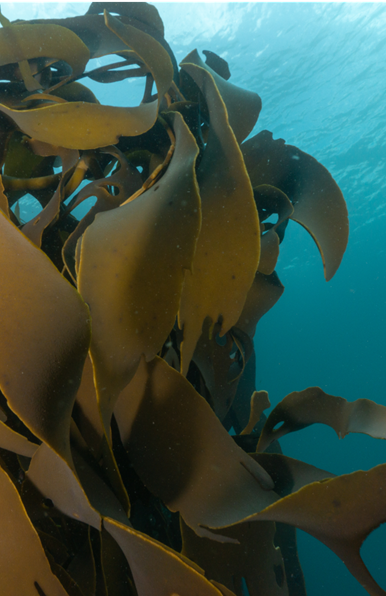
(319, 69)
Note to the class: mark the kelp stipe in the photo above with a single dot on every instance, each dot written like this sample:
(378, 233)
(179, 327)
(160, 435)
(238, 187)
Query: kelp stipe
(126, 338)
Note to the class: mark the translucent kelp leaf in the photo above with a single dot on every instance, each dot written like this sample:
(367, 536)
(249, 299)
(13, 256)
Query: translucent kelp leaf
(319, 205)
(133, 261)
(157, 569)
(228, 248)
(20, 42)
(80, 125)
(23, 564)
(302, 408)
(183, 454)
(263, 295)
(253, 558)
(40, 308)
(243, 107)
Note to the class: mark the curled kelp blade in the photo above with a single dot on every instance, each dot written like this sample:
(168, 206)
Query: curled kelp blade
(228, 248)
(140, 11)
(221, 364)
(259, 403)
(125, 181)
(22, 42)
(40, 308)
(132, 267)
(340, 512)
(318, 202)
(35, 227)
(288, 474)
(269, 252)
(93, 125)
(78, 125)
(243, 106)
(157, 569)
(262, 296)
(302, 408)
(153, 55)
(253, 558)
(256, 557)
(218, 64)
(142, 15)
(270, 200)
(183, 454)
(23, 564)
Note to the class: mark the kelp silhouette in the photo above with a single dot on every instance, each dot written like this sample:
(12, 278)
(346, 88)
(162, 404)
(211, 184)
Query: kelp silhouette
(126, 338)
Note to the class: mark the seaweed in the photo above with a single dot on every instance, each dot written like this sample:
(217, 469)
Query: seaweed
(126, 337)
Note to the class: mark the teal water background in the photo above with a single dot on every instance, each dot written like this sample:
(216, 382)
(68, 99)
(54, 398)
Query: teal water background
(320, 71)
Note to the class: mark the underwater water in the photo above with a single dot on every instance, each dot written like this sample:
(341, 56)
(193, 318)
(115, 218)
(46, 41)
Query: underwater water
(319, 69)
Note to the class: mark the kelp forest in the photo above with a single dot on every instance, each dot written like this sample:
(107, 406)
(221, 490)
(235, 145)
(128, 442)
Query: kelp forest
(135, 455)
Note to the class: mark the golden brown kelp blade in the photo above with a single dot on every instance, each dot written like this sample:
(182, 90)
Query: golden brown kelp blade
(256, 557)
(243, 107)
(125, 181)
(318, 202)
(23, 563)
(93, 125)
(40, 309)
(340, 512)
(13, 441)
(221, 362)
(22, 42)
(253, 557)
(228, 248)
(158, 570)
(183, 454)
(302, 408)
(132, 269)
(35, 227)
(182, 227)
(54, 478)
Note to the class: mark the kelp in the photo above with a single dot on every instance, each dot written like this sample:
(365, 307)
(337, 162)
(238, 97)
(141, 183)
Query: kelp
(126, 337)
